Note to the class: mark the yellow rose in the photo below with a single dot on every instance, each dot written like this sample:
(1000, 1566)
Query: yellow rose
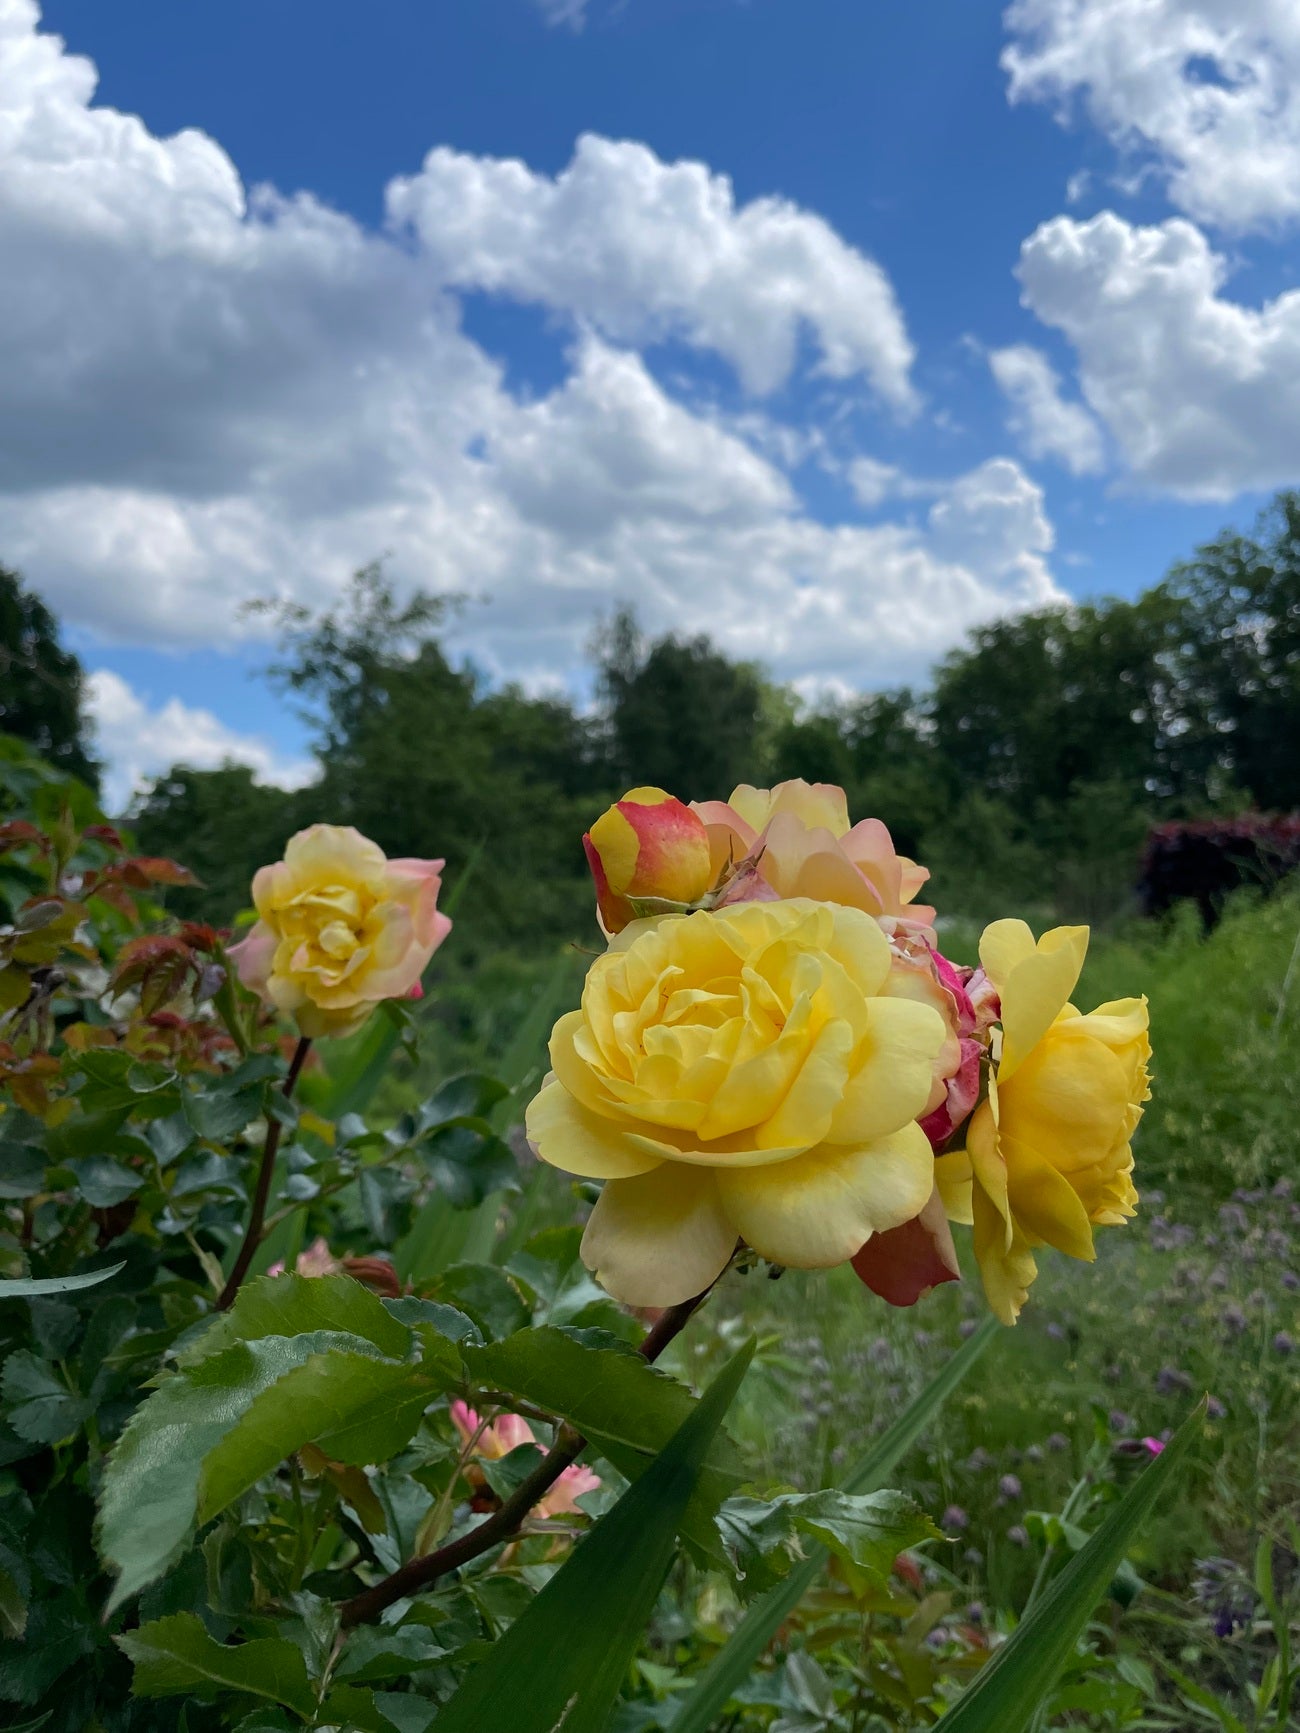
(1048, 1154)
(341, 928)
(739, 1074)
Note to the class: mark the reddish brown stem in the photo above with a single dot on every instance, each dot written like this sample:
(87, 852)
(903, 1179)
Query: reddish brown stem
(261, 1196)
(419, 1573)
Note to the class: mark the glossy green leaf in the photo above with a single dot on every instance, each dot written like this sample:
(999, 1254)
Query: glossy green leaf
(603, 1595)
(154, 1486)
(1015, 1682)
(868, 1530)
(626, 1408)
(175, 1656)
(38, 1403)
(290, 1305)
(729, 1669)
(30, 1287)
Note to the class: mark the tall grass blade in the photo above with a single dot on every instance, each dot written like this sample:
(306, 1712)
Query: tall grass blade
(563, 1662)
(1015, 1682)
(732, 1665)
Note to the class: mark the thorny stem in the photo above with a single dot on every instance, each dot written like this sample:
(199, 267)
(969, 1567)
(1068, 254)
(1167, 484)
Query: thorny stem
(255, 1231)
(419, 1573)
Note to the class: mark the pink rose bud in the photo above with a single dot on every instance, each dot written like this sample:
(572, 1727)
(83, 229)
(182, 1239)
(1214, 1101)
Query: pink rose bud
(646, 846)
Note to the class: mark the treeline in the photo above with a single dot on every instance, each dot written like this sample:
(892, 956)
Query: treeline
(1028, 772)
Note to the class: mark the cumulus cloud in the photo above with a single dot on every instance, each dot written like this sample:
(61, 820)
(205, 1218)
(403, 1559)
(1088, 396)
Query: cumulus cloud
(645, 249)
(1206, 92)
(1201, 393)
(139, 741)
(207, 396)
(1046, 423)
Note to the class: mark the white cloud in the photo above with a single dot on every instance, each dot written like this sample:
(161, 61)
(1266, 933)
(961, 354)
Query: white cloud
(1201, 393)
(139, 742)
(646, 249)
(874, 482)
(1206, 91)
(206, 397)
(570, 12)
(1046, 423)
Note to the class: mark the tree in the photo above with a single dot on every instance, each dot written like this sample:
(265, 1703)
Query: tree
(224, 826)
(1239, 657)
(42, 685)
(680, 714)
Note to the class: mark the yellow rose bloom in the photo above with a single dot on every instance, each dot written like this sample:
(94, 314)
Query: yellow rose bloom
(341, 928)
(739, 1074)
(1048, 1155)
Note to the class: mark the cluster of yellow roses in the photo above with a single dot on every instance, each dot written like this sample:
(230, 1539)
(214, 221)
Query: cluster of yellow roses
(772, 1052)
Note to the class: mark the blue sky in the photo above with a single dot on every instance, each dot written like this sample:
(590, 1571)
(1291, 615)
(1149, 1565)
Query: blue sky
(754, 356)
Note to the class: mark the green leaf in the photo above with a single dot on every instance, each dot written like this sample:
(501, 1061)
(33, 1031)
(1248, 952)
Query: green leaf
(27, 1287)
(624, 1407)
(176, 1656)
(605, 1590)
(1015, 1682)
(38, 1404)
(467, 1162)
(356, 1408)
(155, 1485)
(291, 1305)
(22, 1170)
(103, 1182)
(734, 1662)
(868, 1530)
(486, 1295)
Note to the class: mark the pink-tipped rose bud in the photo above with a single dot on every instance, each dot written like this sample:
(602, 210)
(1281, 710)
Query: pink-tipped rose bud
(646, 846)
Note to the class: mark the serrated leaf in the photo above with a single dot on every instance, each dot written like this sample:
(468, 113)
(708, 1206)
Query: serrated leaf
(38, 1404)
(605, 1591)
(355, 1408)
(152, 1487)
(26, 1287)
(626, 1408)
(486, 1295)
(867, 1530)
(175, 1656)
(290, 1305)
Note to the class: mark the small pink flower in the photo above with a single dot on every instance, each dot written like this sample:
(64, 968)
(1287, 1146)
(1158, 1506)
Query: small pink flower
(507, 1433)
(1154, 1445)
(316, 1260)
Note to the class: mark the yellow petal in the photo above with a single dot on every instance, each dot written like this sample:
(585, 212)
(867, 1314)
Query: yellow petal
(568, 1135)
(891, 1072)
(1044, 1205)
(1037, 989)
(1006, 1270)
(1068, 1101)
(820, 1208)
(1003, 945)
(953, 1176)
(659, 1239)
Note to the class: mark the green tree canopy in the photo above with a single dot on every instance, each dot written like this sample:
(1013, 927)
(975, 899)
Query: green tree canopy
(42, 685)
